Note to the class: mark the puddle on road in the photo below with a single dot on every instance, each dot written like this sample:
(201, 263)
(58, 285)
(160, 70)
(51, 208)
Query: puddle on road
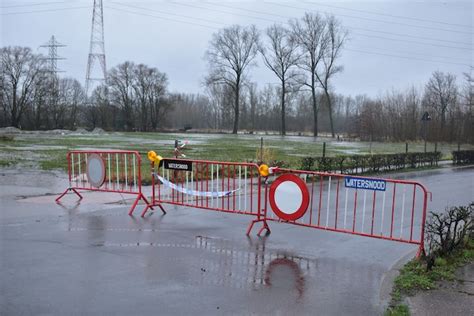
(82, 229)
(226, 264)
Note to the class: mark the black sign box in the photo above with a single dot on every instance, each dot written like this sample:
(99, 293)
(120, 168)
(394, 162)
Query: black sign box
(178, 165)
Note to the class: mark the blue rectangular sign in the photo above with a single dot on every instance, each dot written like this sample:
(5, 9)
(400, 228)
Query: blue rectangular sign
(364, 183)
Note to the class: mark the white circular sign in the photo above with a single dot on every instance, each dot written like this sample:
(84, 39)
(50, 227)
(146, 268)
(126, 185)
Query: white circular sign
(95, 170)
(288, 197)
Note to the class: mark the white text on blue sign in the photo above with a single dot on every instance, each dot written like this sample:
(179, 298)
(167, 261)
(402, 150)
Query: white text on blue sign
(363, 183)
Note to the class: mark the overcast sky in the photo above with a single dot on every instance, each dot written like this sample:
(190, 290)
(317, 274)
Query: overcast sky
(393, 44)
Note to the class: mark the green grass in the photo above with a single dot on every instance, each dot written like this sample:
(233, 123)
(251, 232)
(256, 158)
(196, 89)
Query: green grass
(48, 151)
(399, 310)
(414, 276)
(7, 163)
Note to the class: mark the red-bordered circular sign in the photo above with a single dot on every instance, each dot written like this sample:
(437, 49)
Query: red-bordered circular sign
(289, 197)
(95, 170)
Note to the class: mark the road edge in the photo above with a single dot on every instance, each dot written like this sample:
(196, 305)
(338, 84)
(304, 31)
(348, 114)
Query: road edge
(386, 284)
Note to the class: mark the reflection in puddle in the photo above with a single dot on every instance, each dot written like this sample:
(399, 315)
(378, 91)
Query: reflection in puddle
(240, 266)
(279, 263)
(262, 268)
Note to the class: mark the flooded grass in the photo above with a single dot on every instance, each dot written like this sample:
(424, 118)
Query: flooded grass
(49, 151)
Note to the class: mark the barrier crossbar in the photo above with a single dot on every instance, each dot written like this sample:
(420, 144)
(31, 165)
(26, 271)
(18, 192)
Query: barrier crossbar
(114, 171)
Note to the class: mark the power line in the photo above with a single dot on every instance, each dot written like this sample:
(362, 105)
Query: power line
(46, 10)
(352, 27)
(355, 10)
(412, 53)
(168, 13)
(405, 57)
(366, 35)
(375, 20)
(31, 4)
(414, 42)
(354, 50)
(162, 18)
(385, 14)
(227, 12)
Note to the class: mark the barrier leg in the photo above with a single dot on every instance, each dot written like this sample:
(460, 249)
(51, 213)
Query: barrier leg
(421, 252)
(150, 206)
(78, 194)
(265, 226)
(135, 203)
(250, 227)
(66, 191)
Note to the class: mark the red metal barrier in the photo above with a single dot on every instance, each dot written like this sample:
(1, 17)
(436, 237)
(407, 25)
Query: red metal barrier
(365, 206)
(373, 207)
(380, 208)
(117, 171)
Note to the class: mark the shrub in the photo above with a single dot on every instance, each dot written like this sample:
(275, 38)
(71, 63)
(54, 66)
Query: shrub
(373, 163)
(463, 157)
(307, 163)
(447, 232)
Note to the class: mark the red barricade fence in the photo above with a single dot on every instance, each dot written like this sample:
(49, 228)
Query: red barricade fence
(220, 186)
(385, 209)
(115, 171)
(365, 206)
(395, 210)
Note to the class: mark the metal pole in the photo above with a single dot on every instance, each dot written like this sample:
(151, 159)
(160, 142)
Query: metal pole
(424, 133)
(176, 148)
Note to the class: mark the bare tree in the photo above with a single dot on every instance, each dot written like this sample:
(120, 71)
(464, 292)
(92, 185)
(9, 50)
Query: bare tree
(441, 94)
(468, 97)
(468, 92)
(253, 101)
(120, 82)
(309, 34)
(37, 115)
(231, 51)
(20, 69)
(280, 55)
(159, 103)
(101, 112)
(333, 41)
(73, 97)
(55, 103)
(149, 87)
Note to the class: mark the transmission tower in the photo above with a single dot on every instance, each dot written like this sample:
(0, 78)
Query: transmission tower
(97, 50)
(53, 57)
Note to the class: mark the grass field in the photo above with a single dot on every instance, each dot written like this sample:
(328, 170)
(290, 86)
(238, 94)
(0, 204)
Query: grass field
(48, 150)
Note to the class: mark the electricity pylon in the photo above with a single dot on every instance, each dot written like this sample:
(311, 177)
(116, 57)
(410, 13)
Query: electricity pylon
(97, 49)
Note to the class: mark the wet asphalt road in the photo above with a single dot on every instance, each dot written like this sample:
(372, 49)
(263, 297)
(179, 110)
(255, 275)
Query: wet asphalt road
(91, 258)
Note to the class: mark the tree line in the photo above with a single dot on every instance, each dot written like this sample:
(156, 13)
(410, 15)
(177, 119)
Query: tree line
(303, 57)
